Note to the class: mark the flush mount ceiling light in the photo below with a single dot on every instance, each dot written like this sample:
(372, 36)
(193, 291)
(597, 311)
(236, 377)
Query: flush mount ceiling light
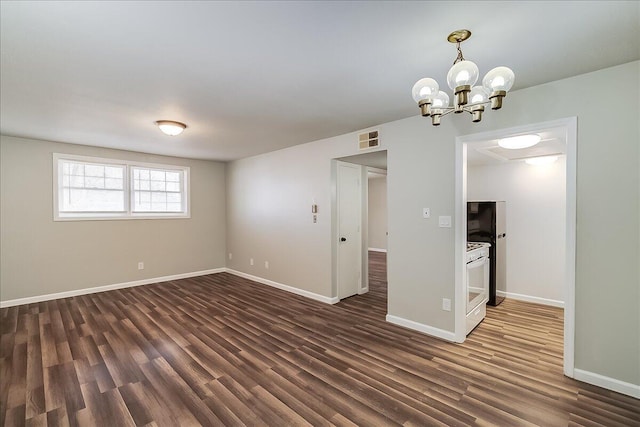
(171, 128)
(541, 161)
(520, 141)
(461, 78)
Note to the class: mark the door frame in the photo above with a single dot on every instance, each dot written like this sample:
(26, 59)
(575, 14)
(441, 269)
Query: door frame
(570, 125)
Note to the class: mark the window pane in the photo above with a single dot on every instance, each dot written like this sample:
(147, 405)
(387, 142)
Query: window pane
(85, 189)
(157, 190)
(113, 172)
(158, 186)
(94, 170)
(84, 200)
(113, 183)
(173, 176)
(92, 182)
(174, 197)
(157, 175)
(158, 197)
(145, 197)
(77, 169)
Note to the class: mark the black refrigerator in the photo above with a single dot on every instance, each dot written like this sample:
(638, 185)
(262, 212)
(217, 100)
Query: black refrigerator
(486, 222)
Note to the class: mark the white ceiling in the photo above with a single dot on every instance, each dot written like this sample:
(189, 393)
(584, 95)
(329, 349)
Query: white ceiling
(252, 77)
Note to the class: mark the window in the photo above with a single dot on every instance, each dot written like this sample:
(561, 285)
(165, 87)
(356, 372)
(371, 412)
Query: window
(95, 188)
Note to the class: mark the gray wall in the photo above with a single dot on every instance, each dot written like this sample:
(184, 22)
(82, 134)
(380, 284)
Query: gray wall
(378, 212)
(269, 198)
(40, 256)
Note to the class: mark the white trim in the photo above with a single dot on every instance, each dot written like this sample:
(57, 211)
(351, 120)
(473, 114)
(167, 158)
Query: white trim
(85, 291)
(363, 290)
(283, 287)
(421, 327)
(377, 250)
(528, 298)
(570, 125)
(629, 389)
(460, 252)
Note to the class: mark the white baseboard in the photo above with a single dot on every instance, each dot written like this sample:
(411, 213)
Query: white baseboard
(363, 291)
(420, 327)
(629, 389)
(527, 298)
(297, 291)
(85, 291)
(377, 250)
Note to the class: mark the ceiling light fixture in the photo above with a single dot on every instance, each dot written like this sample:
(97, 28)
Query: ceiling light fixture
(171, 128)
(520, 141)
(461, 78)
(541, 161)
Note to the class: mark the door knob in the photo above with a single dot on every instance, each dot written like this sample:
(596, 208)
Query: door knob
(343, 239)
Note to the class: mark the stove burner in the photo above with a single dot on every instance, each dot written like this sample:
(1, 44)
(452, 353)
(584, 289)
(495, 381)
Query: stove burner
(473, 246)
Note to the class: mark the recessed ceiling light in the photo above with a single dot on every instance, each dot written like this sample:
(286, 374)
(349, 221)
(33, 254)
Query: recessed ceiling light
(171, 128)
(541, 161)
(520, 141)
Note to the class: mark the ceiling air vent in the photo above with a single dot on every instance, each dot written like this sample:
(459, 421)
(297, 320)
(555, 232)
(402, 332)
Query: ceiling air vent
(368, 140)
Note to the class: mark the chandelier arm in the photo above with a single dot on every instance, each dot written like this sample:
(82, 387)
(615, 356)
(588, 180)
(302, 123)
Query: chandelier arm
(448, 110)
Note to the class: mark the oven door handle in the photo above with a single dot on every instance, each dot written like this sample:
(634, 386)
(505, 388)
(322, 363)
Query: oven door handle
(477, 263)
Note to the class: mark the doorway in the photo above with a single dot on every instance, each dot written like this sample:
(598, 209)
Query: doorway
(467, 149)
(351, 217)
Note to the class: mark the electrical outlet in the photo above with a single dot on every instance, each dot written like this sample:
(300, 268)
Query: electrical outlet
(446, 304)
(266, 265)
(250, 261)
(141, 265)
(230, 255)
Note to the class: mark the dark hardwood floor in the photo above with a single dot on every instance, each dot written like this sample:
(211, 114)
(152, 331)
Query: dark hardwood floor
(222, 350)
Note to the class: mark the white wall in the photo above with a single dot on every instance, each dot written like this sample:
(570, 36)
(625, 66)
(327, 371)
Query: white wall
(378, 212)
(535, 202)
(421, 270)
(40, 256)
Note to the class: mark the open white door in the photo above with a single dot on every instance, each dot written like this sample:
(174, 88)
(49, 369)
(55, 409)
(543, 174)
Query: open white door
(349, 205)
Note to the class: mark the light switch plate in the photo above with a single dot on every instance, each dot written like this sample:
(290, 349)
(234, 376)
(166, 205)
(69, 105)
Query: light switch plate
(444, 221)
(426, 213)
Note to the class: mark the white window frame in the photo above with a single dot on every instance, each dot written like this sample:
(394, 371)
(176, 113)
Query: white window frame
(128, 190)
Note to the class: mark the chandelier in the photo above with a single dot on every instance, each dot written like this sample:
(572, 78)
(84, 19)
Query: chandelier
(461, 78)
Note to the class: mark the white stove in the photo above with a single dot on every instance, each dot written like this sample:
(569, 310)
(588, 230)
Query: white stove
(477, 250)
(477, 285)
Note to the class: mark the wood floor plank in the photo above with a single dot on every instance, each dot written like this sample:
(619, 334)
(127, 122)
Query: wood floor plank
(222, 350)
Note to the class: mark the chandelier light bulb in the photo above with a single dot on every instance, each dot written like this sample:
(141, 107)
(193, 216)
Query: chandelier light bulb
(426, 88)
(464, 73)
(500, 78)
(441, 100)
(478, 95)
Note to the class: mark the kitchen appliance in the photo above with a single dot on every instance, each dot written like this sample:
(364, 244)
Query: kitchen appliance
(486, 222)
(477, 285)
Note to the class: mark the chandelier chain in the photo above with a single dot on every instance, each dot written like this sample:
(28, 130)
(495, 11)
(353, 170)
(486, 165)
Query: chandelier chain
(459, 57)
